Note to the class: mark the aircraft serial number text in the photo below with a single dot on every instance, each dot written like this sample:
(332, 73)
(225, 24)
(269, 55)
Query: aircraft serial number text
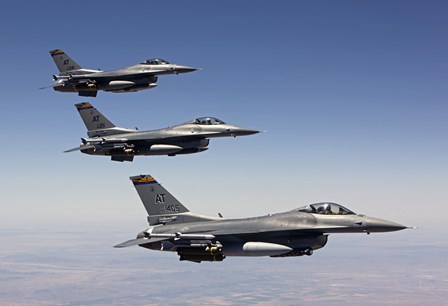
(169, 209)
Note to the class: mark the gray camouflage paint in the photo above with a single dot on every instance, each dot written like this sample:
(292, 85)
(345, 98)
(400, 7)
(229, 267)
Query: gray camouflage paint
(123, 144)
(201, 238)
(87, 82)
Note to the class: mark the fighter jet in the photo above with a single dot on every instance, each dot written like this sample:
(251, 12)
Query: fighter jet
(201, 238)
(87, 82)
(123, 144)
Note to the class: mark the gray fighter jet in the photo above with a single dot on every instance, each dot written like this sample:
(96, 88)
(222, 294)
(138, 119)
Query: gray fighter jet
(201, 238)
(123, 144)
(87, 82)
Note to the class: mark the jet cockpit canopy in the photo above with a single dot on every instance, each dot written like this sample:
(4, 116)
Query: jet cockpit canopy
(155, 61)
(326, 208)
(207, 121)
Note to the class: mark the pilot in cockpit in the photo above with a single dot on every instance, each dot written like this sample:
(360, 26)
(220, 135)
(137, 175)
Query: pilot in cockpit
(324, 209)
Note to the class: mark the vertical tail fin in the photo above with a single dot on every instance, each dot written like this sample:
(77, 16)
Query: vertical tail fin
(64, 62)
(161, 206)
(92, 118)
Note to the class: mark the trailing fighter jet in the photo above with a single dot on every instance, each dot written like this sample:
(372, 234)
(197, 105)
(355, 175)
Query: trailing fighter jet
(123, 144)
(87, 82)
(201, 238)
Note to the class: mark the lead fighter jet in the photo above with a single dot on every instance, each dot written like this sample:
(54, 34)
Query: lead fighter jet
(123, 144)
(87, 82)
(200, 238)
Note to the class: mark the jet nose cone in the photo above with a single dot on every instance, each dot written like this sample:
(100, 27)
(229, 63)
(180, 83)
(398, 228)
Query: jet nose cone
(245, 132)
(184, 69)
(379, 225)
(242, 132)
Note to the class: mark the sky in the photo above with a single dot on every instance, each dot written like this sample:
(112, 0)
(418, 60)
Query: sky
(351, 97)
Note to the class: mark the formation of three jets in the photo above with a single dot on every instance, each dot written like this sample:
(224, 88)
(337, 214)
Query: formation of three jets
(173, 227)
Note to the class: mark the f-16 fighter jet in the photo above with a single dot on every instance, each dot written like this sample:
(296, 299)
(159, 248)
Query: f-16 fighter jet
(200, 238)
(86, 82)
(123, 144)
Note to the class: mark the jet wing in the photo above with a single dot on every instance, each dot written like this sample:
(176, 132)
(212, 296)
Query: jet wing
(103, 140)
(154, 137)
(113, 75)
(109, 140)
(248, 231)
(99, 144)
(161, 237)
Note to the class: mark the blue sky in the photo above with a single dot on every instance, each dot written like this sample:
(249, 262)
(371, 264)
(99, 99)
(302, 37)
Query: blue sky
(352, 96)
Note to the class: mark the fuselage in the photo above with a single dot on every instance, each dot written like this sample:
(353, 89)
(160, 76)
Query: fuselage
(180, 139)
(298, 232)
(128, 79)
(200, 238)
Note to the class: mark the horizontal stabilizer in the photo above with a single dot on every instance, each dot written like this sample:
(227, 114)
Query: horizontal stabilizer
(57, 84)
(138, 241)
(86, 147)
